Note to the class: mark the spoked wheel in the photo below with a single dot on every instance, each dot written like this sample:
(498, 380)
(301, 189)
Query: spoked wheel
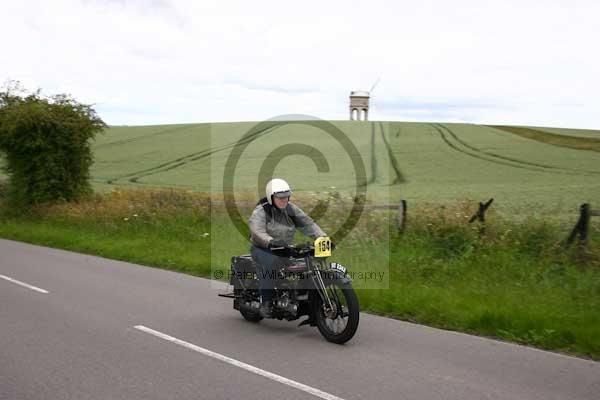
(248, 315)
(338, 323)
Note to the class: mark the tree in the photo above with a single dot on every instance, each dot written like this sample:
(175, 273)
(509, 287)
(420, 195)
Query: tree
(46, 143)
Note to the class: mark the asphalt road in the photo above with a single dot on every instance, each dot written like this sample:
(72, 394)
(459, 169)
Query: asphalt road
(114, 330)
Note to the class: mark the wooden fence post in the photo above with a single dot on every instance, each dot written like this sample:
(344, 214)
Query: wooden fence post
(480, 215)
(402, 215)
(582, 226)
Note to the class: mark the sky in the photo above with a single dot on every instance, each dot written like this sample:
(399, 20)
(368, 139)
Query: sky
(160, 62)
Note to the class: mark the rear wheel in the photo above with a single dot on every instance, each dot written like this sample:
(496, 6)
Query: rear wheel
(338, 323)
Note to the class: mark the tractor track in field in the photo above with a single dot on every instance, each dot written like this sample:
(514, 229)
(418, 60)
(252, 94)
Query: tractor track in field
(399, 176)
(150, 185)
(480, 157)
(498, 159)
(569, 170)
(494, 154)
(163, 132)
(181, 161)
(373, 177)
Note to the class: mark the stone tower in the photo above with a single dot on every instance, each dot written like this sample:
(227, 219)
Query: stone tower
(359, 106)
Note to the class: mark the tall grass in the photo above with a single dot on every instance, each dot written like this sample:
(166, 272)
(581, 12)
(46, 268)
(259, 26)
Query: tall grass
(515, 282)
(157, 228)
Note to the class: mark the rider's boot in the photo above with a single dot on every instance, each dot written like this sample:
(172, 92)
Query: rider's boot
(266, 309)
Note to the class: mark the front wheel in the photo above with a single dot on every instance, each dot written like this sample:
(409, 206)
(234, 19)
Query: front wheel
(338, 323)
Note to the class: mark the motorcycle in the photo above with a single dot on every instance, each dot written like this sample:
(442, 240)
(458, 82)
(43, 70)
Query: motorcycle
(305, 285)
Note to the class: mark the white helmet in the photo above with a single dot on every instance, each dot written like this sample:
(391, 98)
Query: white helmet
(278, 188)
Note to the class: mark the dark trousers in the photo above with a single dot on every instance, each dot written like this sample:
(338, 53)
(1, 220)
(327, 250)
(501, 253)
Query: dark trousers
(269, 263)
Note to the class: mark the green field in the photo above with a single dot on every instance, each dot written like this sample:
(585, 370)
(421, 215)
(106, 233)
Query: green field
(419, 162)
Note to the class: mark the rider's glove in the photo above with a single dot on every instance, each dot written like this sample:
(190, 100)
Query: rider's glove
(277, 243)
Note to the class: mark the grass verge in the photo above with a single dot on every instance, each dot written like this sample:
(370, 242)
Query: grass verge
(515, 283)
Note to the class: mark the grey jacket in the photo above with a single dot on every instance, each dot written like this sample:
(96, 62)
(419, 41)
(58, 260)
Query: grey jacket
(280, 226)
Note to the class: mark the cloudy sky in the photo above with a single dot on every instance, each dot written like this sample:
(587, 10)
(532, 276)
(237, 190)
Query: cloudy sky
(160, 61)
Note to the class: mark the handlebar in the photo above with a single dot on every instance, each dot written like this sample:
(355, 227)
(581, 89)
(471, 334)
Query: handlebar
(296, 250)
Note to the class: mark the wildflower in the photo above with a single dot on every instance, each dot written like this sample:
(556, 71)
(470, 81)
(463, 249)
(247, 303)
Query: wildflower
(205, 234)
(135, 215)
(125, 219)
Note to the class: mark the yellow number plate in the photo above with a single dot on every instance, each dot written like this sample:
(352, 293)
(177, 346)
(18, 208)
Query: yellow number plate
(323, 247)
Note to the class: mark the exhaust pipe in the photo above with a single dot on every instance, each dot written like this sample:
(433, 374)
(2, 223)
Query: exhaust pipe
(253, 307)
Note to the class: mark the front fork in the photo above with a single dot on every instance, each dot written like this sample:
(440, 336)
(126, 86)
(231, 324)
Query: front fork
(320, 286)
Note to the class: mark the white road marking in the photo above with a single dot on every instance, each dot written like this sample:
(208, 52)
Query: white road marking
(236, 363)
(37, 289)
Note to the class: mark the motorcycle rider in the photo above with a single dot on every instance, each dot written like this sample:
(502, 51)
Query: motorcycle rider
(273, 225)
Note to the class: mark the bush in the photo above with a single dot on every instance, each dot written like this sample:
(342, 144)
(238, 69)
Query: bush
(46, 144)
(3, 189)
